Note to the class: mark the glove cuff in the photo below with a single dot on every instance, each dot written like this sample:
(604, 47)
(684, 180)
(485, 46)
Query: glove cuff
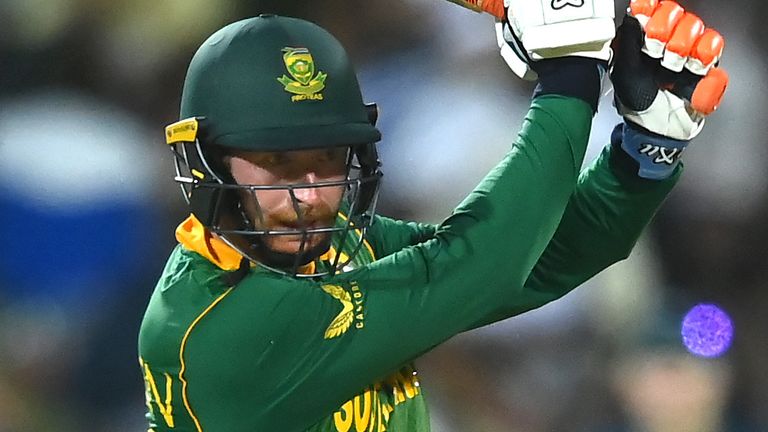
(578, 77)
(657, 156)
(668, 115)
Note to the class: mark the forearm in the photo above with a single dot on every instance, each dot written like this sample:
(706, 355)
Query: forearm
(605, 217)
(606, 214)
(510, 217)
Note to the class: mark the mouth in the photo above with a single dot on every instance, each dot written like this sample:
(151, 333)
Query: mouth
(295, 243)
(303, 225)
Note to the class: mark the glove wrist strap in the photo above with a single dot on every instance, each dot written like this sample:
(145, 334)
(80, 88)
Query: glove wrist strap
(657, 156)
(578, 77)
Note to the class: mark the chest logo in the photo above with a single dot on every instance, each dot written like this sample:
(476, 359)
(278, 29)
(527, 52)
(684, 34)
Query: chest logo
(303, 83)
(344, 319)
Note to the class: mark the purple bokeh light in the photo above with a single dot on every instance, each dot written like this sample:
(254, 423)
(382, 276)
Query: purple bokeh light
(707, 331)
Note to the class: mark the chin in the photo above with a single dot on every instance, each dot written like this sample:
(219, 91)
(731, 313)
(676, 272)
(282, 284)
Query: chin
(285, 252)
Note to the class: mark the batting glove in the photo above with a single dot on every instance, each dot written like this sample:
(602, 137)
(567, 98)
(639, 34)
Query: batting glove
(666, 82)
(533, 30)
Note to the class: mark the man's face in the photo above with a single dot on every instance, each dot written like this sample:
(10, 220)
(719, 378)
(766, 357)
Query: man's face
(274, 209)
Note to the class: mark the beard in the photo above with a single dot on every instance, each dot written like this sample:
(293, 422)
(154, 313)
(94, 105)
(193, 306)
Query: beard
(288, 250)
(292, 243)
(277, 257)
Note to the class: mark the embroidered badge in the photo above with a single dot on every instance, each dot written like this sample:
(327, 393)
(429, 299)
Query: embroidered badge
(344, 319)
(304, 84)
(352, 309)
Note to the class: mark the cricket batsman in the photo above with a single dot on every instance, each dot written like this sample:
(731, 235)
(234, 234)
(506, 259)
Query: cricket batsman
(290, 305)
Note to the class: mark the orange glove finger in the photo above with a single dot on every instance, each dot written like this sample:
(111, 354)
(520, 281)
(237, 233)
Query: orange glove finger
(684, 37)
(706, 52)
(642, 10)
(659, 29)
(493, 7)
(709, 91)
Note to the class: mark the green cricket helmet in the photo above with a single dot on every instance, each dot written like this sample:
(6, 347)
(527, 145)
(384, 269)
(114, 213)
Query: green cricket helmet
(273, 83)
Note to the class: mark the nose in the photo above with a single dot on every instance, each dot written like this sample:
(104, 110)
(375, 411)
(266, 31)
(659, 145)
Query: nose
(308, 195)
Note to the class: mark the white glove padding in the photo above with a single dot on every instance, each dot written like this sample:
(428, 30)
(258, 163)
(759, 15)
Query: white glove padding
(664, 72)
(540, 29)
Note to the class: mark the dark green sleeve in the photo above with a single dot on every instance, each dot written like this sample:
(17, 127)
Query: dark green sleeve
(389, 235)
(275, 341)
(603, 220)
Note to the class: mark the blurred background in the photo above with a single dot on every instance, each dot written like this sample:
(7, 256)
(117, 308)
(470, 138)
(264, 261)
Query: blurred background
(88, 209)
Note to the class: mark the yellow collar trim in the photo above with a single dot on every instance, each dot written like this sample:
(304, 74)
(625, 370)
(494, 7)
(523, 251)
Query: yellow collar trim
(194, 236)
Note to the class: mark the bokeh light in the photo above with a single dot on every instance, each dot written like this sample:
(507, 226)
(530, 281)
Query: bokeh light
(707, 331)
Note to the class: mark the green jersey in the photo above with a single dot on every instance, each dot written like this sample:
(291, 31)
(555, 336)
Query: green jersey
(275, 353)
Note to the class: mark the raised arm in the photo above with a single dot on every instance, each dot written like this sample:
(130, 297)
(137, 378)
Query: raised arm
(666, 83)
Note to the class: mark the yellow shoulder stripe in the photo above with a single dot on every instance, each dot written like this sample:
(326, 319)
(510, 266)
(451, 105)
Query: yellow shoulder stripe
(360, 233)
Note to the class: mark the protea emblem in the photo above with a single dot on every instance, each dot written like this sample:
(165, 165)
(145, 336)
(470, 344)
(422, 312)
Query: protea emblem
(304, 84)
